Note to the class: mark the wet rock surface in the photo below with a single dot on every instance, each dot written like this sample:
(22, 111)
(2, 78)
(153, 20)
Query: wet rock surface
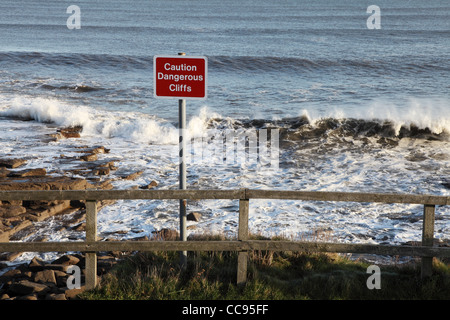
(40, 280)
(88, 169)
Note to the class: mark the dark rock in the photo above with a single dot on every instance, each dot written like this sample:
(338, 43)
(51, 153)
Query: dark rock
(97, 149)
(194, 216)
(25, 287)
(10, 275)
(45, 183)
(73, 293)
(11, 211)
(12, 163)
(89, 157)
(446, 184)
(166, 234)
(151, 185)
(28, 173)
(45, 276)
(4, 172)
(61, 278)
(14, 225)
(141, 238)
(71, 132)
(132, 176)
(51, 210)
(36, 264)
(58, 267)
(106, 185)
(55, 296)
(28, 297)
(102, 171)
(10, 256)
(66, 260)
(13, 202)
(80, 227)
(77, 204)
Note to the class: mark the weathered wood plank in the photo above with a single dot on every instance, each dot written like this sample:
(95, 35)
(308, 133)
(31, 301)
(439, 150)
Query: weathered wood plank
(307, 246)
(419, 251)
(223, 194)
(243, 236)
(91, 236)
(243, 219)
(91, 220)
(427, 239)
(242, 268)
(91, 270)
(348, 197)
(243, 245)
(121, 246)
(120, 194)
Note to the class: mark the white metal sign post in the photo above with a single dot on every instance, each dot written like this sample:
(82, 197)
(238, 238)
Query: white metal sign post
(183, 77)
(182, 183)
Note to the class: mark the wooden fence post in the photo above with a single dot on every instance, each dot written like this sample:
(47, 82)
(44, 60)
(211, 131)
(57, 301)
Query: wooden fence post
(91, 235)
(243, 236)
(427, 239)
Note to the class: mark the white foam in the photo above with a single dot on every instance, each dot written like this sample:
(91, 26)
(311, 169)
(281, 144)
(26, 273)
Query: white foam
(46, 111)
(144, 142)
(136, 127)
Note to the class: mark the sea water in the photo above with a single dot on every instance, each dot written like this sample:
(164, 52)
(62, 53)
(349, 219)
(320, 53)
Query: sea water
(357, 109)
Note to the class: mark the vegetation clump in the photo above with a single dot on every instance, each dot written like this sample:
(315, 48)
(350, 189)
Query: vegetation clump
(271, 276)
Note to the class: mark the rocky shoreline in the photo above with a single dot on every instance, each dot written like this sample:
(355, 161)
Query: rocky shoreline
(90, 168)
(37, 279)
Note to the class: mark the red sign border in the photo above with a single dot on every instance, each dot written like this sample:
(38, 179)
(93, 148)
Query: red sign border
(180, 57)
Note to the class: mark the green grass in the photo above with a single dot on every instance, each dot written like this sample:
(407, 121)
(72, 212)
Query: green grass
(271, 276)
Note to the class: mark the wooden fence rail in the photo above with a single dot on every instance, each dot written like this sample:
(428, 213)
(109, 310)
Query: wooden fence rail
(242, 245)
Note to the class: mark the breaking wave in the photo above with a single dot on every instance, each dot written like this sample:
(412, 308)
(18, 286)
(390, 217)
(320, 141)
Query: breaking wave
(422, 121)
(129, 126)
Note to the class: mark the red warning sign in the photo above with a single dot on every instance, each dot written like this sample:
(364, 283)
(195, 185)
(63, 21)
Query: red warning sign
(182, 77)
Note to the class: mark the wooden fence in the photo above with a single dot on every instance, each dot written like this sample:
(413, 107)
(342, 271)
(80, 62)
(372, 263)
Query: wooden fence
(243, 244)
